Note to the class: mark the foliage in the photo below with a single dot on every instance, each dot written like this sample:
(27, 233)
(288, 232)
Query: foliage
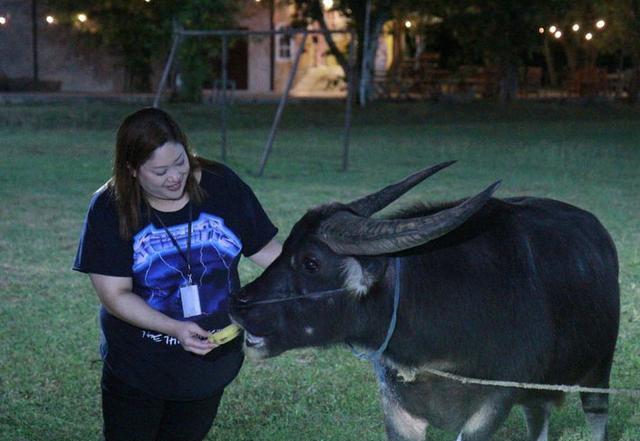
(196, 54)
(139, 32)
(624, 39)
(497, 33)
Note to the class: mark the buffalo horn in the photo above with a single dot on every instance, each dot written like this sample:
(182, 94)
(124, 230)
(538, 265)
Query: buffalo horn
(374, 202)
(348, 234)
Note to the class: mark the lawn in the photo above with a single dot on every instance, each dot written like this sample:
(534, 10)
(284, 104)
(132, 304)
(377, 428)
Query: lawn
(54, 156)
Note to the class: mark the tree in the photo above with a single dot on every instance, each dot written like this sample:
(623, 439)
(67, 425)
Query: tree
(138, 32)
(499, 32)
(310, 11)
(623, 37)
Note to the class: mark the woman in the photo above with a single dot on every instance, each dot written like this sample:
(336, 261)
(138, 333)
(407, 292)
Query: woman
(161, 244)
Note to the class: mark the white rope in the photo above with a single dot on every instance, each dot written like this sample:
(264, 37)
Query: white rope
(514, 384)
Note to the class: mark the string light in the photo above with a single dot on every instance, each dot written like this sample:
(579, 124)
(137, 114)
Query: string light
(3, 20)
(50, 19)
(327, 4)
(408, 24)
(557, 32)
(82, 17)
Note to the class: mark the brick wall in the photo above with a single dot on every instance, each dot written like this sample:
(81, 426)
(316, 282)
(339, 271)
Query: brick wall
(61, 55)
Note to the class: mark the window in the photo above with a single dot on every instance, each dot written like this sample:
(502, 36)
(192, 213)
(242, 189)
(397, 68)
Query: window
(284, 45)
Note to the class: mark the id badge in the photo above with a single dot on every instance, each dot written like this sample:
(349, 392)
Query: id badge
(190, 301)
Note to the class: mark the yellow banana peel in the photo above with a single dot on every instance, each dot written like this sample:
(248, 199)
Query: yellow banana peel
(225, 335)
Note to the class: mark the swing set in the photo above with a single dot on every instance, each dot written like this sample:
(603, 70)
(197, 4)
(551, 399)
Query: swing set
(180, 34)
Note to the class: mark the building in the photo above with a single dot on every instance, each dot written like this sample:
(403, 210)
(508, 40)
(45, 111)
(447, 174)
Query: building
(62, 62)
(256, 64)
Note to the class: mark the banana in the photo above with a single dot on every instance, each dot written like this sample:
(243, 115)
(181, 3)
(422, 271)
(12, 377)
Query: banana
(225, 335)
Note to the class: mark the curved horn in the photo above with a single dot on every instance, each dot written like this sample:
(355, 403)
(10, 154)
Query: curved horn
(346, 233)
(375, 202)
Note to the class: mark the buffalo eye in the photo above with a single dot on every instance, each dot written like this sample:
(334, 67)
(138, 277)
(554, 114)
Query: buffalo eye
(310, 264)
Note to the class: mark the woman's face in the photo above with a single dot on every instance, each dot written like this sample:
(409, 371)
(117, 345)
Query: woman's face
(164, 175)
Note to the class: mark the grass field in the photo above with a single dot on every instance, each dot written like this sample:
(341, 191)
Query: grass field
(52, 157)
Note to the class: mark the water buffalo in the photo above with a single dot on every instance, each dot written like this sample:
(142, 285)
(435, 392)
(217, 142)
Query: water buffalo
(519, 289)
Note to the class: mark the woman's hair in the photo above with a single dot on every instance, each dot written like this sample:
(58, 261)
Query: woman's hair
(139, 135)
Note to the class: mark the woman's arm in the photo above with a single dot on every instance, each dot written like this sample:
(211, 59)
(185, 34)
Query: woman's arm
(267, 254)
(115, 294)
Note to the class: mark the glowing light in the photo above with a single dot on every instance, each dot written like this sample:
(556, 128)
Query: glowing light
(588, 36)
(147, 1)
(50, 19)
(327, 4)
(553, 29)
(82, 17)
(3, 20)
(408, 24)
(575, 27)
(541, 30)
(600, 24)
(558, 34)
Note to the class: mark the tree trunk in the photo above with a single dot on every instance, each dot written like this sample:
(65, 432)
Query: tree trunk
(551, 68)
(508, 83)
(342, 59)
(370, 57)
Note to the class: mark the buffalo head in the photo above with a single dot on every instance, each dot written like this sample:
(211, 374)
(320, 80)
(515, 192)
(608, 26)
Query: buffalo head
(333, 277)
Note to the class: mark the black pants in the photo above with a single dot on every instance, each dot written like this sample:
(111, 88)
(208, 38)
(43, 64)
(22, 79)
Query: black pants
(131, 415)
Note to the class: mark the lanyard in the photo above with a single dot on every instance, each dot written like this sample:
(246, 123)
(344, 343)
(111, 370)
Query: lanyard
(187, 257)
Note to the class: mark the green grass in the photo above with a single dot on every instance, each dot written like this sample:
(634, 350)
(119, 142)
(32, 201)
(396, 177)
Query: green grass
(54, 156)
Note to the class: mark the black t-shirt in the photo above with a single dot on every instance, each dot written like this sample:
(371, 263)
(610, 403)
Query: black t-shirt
(229, 221)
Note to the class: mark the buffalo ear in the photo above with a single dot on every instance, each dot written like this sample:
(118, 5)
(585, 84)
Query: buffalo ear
(361, 273)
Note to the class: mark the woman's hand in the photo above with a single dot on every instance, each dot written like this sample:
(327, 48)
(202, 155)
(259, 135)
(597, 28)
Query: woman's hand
(193, 338)
(116, 295)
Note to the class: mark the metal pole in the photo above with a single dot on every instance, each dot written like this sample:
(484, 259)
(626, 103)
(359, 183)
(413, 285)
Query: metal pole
(223, 101)
(167, 67)
(283, 101)
(34, 38)
(272, 46)
(349, 104)
(364, 75)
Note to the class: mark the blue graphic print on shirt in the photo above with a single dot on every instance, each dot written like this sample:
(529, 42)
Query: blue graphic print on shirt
(159, 270)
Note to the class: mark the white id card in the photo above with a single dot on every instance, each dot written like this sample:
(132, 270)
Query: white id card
(190, 301)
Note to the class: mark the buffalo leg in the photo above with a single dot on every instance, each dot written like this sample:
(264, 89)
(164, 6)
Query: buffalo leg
(596, 409)
(399, 423)
(537, 417)
(596, 406)
(486, 419)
